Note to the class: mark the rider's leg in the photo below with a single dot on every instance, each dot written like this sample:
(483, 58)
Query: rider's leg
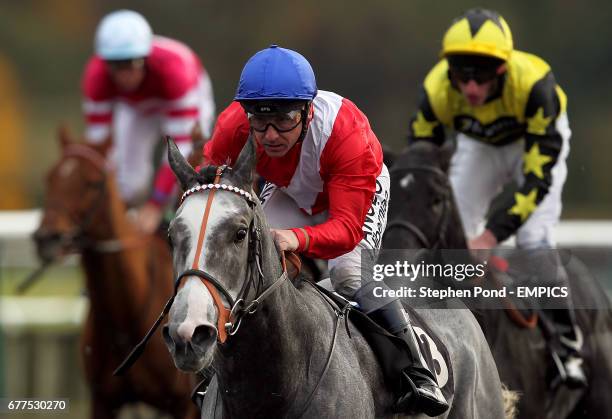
(352, 276)
(418, 388)
(477, 174)
(135, 137)
(558, 323)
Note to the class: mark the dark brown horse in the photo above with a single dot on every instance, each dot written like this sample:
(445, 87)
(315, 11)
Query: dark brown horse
(128, 278)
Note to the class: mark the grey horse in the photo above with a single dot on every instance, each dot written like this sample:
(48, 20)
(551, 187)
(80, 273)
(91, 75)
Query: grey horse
(288, 355)
(423, 214)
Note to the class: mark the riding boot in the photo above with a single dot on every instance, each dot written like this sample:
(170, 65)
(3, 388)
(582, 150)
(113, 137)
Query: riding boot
(419, 389)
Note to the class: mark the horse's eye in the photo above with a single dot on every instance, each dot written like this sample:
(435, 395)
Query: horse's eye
(437, 201)
(240, 235)
(170, 240)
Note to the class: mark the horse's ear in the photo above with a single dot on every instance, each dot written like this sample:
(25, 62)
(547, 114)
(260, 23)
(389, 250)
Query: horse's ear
(446, 153)
(183, 170)
(63, 135)
(245, 164)
(389, 156)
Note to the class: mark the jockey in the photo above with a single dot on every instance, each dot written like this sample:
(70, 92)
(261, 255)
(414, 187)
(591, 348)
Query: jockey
(327, 189)
(143, 86)
(509, 115)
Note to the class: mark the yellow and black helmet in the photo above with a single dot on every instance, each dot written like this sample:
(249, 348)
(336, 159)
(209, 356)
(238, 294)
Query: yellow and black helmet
(478, 32)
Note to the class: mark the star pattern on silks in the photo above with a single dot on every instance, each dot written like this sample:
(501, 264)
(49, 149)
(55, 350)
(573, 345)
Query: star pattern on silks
(534, 161)
(525, 204)
(422, 127)
(538, 123)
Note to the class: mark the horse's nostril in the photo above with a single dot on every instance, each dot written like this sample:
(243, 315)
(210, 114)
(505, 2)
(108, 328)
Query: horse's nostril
(203, 335)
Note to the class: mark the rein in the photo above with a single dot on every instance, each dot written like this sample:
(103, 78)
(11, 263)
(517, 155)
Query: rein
(229, 319)
(444, 218)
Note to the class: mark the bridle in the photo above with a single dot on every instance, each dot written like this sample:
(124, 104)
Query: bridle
(444, 217)
(76, 237)
(229, 318)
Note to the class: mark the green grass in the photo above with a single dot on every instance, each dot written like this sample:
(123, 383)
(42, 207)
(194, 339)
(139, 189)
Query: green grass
(56, 281)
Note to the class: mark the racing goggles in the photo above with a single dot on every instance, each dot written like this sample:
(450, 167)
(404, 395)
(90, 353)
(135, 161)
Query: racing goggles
(480, 76)
(118, 65)
(481, 69)
(281, 121)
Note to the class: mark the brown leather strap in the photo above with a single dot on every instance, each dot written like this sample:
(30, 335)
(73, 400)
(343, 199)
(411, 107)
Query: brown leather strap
(295, 261)
(224, 313)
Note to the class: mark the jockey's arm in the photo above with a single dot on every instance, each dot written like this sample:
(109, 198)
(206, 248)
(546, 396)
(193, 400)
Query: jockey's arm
(350, 199)
(543, 144)
(349, 167)
(97, 101)
(424, 125)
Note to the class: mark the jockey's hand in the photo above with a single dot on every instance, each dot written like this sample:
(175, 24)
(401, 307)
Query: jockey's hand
(485, 241)
(148, 218)
(285, 239)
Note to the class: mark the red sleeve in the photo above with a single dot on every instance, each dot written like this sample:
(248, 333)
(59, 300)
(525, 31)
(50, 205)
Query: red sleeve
(229, 136)
(350, 165)
(98, 94)
(96, 83)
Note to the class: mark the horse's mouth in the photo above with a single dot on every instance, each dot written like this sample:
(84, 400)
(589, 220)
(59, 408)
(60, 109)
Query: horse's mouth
(51, 246)
(192, 356)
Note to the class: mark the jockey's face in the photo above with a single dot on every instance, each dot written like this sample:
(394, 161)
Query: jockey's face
(276, 143)
(127, 74)
(477, 84)
(476, 94)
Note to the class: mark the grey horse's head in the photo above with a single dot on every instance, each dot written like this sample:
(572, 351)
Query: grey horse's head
(193, 328)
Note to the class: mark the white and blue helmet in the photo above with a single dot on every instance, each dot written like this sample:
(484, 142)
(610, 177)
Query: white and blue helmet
(123, 35)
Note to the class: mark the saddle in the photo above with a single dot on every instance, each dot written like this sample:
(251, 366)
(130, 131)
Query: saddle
(388, 347)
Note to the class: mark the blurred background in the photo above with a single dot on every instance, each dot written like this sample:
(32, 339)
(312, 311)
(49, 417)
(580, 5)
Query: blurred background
(374, 52)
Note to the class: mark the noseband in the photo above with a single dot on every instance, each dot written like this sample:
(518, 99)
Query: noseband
(444, 218)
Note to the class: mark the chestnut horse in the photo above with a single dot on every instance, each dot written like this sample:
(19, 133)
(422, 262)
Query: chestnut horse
(128, 278)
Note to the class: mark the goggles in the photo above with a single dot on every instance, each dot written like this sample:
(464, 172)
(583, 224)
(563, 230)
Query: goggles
(118, 65)
(480, 76)
(281, 121)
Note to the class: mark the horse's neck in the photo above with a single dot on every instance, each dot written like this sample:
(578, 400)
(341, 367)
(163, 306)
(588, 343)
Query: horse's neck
(271, 351)
(455, 234)
(113, 223)
(116, 278)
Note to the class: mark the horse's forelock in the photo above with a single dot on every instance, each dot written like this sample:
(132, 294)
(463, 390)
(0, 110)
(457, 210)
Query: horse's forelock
(207, 174)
